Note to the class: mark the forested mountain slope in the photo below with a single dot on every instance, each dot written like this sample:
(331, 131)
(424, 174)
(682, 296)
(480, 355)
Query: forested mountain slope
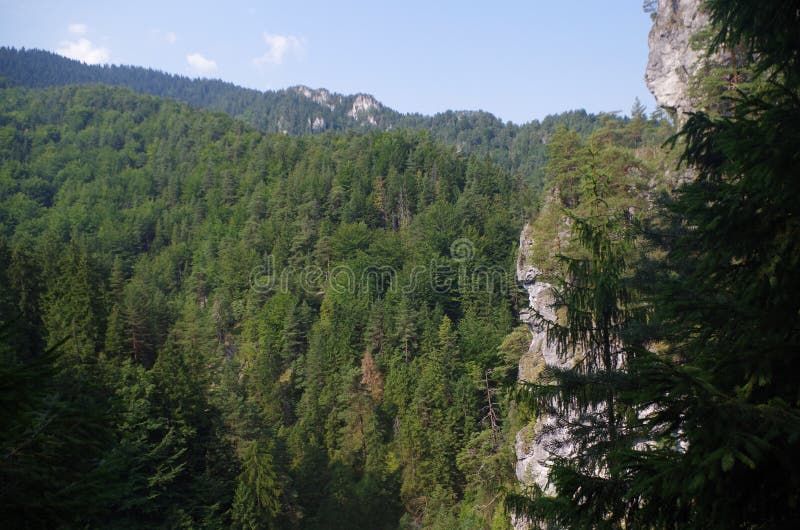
(253, 329)
(250, 330)
(520, 149)
(247, 329)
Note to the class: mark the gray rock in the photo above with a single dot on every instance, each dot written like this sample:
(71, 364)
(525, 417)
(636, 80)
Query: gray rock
(535, 443)
(673, 61)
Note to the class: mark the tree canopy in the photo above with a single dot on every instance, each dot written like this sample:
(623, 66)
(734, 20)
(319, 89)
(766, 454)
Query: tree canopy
(707, 428)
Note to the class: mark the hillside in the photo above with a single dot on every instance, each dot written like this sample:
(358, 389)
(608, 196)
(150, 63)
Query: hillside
(521, 149)
(245, 310)
(225, 308)
(320, 317)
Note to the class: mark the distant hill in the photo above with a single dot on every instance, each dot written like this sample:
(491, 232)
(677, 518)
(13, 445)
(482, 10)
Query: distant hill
(301, 110)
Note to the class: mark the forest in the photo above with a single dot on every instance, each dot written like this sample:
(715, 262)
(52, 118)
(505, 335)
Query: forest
(139, 230)
(265, 329)
(521, 149)
(206, 322)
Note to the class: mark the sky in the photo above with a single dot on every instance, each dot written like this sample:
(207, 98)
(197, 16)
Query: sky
(520, 60)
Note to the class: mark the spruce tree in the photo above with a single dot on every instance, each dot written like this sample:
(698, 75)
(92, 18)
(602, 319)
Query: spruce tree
(725, 426)
(257, 501)
(594, 306)
(713, 426)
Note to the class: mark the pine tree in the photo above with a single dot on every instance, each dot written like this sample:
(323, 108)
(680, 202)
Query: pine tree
(55, 439)
(371, 377)
(593, 304)
(725, 422)
(638, 122)
(71, 302)
(115, 341)
(257, 500)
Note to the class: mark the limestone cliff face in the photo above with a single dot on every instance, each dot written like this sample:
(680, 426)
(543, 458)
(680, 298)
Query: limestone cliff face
(673, 61)
(362, 107)
(536, 442)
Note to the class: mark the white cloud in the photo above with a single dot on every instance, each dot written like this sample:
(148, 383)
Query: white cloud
(170, 37)
(278, 47)
(200, 64)
(78, 29)
(83, 50)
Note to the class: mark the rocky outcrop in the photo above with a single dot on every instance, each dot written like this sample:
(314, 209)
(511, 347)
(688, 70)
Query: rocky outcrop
(362, 108)
(318, 124)
(319, 96)
(538, 441)
(674, 61)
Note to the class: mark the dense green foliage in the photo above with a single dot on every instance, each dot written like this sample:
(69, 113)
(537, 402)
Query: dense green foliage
(206, 325)
(521, 149)
(588, 249)
(253, 330)
(273, 110)
(698, 425)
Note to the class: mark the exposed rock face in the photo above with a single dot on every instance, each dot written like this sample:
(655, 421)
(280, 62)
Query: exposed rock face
(534, 442)
(362, 107)
(320, 96)
(673, 61)
(318, 124)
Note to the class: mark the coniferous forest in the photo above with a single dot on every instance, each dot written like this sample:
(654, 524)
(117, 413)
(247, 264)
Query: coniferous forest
(521, 149)
(213, 315)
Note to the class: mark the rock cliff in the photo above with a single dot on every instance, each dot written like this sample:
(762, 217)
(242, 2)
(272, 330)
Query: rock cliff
(672, 64)
(673, 60)
(535, 442)
(362, 108)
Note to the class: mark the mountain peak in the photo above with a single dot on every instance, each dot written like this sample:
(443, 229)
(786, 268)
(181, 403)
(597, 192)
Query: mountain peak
(321, 96)
(362, 107)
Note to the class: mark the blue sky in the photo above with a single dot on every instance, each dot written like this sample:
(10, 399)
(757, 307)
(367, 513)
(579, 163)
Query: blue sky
(519, 60)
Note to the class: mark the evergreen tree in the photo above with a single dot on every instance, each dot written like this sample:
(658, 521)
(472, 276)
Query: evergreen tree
(593, 303)
(726, 386)
(115, 330)
(55, 435)
(257, 501)
(713, 426)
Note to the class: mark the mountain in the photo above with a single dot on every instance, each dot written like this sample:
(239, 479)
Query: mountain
(246, 329)
(301, 110)
(294, 111)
